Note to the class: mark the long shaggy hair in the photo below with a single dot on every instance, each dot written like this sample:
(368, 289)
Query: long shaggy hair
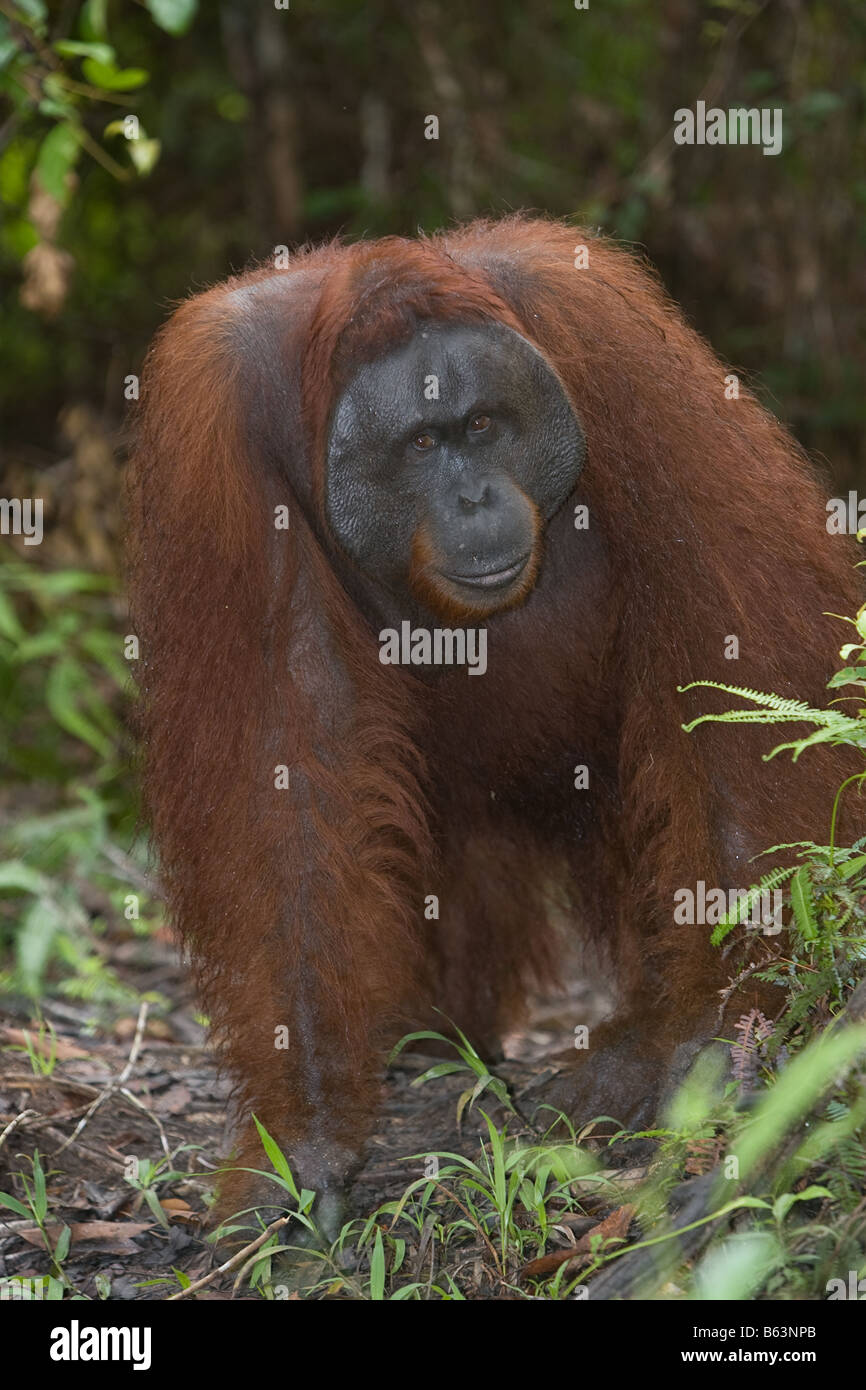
(300, 893)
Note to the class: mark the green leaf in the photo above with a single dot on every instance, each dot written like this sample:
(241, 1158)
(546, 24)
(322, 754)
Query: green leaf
(796, 1090)
(853, 866)
(734, 1267)
(40, 924)
(414, 1037)
(377, 1270)
(783, 1204)
(102, 646)
(144, 154)
(174, 16)
(66, 685)
(8, 50)
(112, 79)
(153, 1202)
(65, 582)
(61, 1249)
(278, 1160)
(40, 1191)
(47, 643)
(14, 1205)
(33, 9)
(849, 675)
(72, 48)
(438, 1069)
(10, 625)
(57, 154)
(57, 110)
(22, 878)
(803, 904)
(93, 22)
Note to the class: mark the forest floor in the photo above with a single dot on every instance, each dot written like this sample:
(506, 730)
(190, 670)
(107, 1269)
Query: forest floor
(151, 1091)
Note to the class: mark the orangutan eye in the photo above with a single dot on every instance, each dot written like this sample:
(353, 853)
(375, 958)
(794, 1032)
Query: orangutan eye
(479, 423)
(422, 442)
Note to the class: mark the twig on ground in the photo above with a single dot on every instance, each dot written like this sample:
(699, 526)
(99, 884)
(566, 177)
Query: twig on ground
(117, 1083)
(240, 1256)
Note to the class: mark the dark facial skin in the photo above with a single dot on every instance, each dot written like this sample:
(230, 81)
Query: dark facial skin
(446, 499)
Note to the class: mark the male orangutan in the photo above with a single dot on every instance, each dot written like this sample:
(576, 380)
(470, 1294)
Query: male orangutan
(349, 473)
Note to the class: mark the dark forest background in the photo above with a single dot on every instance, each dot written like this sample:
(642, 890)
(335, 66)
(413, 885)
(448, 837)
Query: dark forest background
(278, 126)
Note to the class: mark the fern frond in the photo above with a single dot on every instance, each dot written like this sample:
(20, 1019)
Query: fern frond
(774, 879)
(803, 904)
(832, 725)
(791, 844)
(794, 708)
(844, 731)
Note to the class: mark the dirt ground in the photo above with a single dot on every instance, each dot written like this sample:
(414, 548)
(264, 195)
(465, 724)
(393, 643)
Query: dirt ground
(145, 1092)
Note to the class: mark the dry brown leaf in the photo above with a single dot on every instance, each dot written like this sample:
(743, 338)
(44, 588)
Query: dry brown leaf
(177, 1209)
(46, 1046)
(614, 1227)
(118, 1233)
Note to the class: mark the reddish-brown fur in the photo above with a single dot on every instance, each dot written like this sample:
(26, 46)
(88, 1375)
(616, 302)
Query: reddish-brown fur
(304, 907)
(428, 586)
